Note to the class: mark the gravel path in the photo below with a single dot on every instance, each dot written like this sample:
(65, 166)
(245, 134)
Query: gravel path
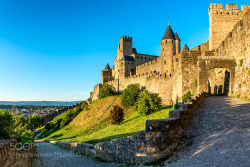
(54, 156)
(218, 135)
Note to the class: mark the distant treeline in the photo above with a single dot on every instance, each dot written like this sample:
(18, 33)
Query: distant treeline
(39, 103)
(33, 107)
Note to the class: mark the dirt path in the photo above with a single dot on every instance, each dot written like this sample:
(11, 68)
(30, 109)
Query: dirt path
(54, 156)
(219, 135)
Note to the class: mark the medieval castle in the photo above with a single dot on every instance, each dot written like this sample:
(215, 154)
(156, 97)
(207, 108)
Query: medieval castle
(218, 66)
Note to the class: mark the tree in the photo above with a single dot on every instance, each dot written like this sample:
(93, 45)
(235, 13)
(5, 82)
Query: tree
(33, 122)
(5, 124)
(67, 118)
(116, 115)
(105, 91)
(130, 94)
(147, 102)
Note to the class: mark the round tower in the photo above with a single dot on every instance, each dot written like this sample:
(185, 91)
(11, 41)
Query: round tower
(168, 50)
(177, 43)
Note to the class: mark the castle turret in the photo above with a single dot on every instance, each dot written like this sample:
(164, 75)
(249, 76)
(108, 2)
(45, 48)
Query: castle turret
(177, 43)
(185, 47)
(106, 74)
(168, 50)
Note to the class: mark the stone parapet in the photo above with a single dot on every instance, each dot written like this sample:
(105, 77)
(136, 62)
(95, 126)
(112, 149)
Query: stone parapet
(11, 156)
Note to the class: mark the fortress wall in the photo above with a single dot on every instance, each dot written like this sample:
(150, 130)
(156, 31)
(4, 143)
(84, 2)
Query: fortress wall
(189, 69)
(94, 94)
(237, 45)
(222, 20)
(143, 58)
(149, 68)
(10, 156)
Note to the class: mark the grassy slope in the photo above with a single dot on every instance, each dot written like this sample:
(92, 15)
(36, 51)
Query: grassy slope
(93, 126)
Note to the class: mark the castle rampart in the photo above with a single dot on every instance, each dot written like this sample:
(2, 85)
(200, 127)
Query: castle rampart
(237, 46)
(222, 20)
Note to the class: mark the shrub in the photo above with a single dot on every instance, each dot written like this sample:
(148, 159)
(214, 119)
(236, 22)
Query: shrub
(89, 100)
(105, 91)
(187, 96)
(147, 102)
(116, 115)
(241, 62)
(194, 86)
(176, 106)
(130, 94)
(235, 64)
(67, 118)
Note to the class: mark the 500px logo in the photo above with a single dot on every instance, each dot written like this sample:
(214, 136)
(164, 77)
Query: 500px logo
(25, 146)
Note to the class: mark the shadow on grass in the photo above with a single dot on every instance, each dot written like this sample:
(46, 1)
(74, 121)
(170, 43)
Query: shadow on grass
(109, 138)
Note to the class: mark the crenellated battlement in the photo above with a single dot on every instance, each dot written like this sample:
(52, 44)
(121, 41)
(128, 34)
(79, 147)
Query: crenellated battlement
(231, 9)
(126, 38)
(222, 20)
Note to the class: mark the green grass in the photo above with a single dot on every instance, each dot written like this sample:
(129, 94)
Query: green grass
(94, 125)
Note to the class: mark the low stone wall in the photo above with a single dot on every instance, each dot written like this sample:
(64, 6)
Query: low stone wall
(10, 156)
(83, 148)
(158, 141)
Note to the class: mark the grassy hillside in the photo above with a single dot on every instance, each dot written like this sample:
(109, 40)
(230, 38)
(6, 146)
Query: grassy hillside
(93, 125)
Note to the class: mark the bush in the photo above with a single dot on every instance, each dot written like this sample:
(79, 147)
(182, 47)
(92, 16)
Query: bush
(187, 96)
(176, 106)
(147, 103)
(67, 118)
(130, 94)
(116, 115)
(194, 86)
(105, 91)
(89, 100)
(5, 124)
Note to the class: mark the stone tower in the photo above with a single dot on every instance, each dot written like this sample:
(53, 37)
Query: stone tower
(106, 74)
(177, 43)
(125, 47)
(168, 50)
(221, 21)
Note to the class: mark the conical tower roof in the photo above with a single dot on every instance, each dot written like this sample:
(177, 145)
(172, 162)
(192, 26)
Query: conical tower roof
(107, 67)
(169, 34)
(176, 36)
(185, 47)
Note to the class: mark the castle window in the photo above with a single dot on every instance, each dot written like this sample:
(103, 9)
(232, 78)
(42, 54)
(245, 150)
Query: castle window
(176, 60)
(165, 62)
(141, 57)
(170, 75)
(165, 75)
(172, 41)
(149, 58)
(145, 58)
(166, 42)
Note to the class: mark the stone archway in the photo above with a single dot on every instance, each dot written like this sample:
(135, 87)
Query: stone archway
(218, 81)
(207, 63)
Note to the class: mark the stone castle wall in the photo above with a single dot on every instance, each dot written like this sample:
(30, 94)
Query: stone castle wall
(222, 21)
(237, 45)
(10, 156)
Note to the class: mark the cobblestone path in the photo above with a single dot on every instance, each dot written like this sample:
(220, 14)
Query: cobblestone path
(219, 135)
(54, 156)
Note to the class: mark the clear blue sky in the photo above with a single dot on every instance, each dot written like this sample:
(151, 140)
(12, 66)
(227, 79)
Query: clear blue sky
(56, 49)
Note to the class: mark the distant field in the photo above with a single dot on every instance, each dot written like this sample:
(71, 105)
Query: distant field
(94, 125)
